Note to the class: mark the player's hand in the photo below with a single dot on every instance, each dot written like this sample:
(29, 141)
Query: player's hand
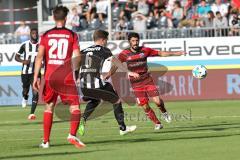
(180, 53)
(36, 84)
(133, 74)
(106, 77)
(26, 62)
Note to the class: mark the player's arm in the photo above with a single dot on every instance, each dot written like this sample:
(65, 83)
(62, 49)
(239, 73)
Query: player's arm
(116, 63)
(170, 53)
(152, 52)
(38, 65)
(18, 59)
(111, 72)
(76, 62)
(18, 56)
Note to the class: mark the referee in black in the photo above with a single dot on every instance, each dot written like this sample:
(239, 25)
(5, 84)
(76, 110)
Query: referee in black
(26, 55)
(93, 86)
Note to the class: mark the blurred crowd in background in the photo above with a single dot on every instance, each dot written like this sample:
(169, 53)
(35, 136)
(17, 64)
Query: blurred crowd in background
(142, 15)
(152, 18)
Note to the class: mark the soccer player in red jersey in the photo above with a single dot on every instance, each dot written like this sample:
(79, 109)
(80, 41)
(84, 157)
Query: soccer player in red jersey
(144, 87)
(56, 48)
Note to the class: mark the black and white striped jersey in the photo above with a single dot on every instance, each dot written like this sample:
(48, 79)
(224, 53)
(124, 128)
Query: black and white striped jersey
(92, 60)
(28, 51)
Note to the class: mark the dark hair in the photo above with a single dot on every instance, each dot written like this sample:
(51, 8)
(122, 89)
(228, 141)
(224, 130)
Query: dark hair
(178, 3)
(34, 29)
(211, 14)
(100, 34)
(133, 34)
(60, 12)
(218, 13)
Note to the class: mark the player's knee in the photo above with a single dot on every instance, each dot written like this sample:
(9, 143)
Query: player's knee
(25, 92)
(48, 111)
(75, 111)
(117, 101)
(114, 98)
(74, 108)
(49, 107)
(35, 96)
(95, 101)
(160, 102)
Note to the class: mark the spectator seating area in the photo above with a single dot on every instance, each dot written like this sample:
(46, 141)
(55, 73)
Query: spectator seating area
(154, 18)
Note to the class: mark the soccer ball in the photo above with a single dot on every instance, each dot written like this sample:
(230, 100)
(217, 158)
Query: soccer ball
(199, 71)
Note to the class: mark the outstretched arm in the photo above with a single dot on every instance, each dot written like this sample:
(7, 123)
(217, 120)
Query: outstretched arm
(170, 53)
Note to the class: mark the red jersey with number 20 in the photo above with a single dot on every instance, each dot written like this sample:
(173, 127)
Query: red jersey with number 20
(137, 62)
(59, 44)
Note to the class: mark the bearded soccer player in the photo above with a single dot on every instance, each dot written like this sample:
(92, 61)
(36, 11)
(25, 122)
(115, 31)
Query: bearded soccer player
(144, 87)
(57, 47)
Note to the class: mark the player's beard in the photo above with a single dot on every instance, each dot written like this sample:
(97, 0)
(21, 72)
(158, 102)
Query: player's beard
(135, 47)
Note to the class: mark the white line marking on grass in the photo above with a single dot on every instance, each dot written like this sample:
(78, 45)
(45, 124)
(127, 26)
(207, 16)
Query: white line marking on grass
(207, 117)
(89, 127)
(135, 136)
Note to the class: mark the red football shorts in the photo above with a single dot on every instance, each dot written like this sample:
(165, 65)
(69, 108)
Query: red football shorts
(51, 95)
(142, 92)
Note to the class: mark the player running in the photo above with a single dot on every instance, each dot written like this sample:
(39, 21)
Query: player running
(56, 47)
(94, 87)
(144, 87)
(28, 52)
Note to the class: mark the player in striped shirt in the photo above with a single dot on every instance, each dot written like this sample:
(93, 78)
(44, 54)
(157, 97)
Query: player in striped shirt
(26, 55)
(94, 86)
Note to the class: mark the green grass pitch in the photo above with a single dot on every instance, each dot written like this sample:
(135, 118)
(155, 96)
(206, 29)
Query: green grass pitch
(201, 130)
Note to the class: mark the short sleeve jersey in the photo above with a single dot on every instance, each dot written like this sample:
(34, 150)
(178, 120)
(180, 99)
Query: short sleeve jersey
(59, 44)
(137, 61)
(92, 62)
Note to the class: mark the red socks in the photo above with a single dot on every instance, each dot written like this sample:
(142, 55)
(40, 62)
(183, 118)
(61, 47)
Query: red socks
(151, 115)
(74, 122)
(47, 125)
(48, 119)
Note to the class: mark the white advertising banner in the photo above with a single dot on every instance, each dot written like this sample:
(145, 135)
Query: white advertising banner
(207, 51)
(7, 54)
(203, 48)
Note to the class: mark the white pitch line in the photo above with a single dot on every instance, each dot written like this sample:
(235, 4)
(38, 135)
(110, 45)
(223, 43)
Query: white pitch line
(208, 117)
(117, 136)
(89, 127)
